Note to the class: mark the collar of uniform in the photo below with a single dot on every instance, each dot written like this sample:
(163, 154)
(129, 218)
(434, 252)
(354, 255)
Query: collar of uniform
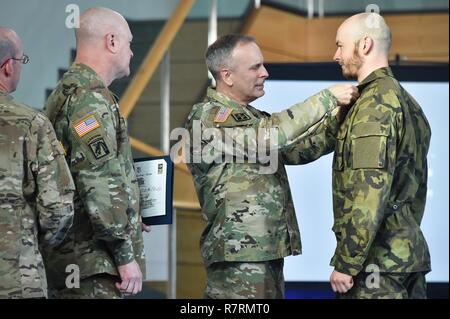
(6, 95)
(377, 74)
(223, 99)
(89, 77)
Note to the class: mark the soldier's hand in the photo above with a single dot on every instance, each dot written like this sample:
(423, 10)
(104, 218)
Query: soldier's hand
(146, 228)
(345, 94)
(131, 277)
(341, 282)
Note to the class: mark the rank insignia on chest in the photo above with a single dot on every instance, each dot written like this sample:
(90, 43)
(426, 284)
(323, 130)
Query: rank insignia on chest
(86, 125)
(240, 117)
(223, 114)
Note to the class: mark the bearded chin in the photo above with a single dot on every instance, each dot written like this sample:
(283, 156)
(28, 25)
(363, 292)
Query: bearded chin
(350, 74)
(350, 70)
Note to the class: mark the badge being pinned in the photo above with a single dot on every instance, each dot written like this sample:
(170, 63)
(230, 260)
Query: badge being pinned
(223, 114)
(86, 125)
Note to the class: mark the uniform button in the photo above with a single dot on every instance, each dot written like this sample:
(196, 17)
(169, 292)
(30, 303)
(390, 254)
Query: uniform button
(394, 206)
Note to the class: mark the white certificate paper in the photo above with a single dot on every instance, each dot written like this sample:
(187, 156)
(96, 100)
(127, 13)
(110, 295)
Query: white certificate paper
(152, 177)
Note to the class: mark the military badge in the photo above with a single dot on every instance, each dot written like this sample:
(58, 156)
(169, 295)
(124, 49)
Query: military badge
(240, 117)
(223, 114)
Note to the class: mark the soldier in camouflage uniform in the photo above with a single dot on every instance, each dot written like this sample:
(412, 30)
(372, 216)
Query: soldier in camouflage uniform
(106, 240)
(379, 174)
(36, 188)
(251, 223)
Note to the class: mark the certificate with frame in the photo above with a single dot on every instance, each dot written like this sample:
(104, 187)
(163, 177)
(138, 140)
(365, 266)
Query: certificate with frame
(155, 179)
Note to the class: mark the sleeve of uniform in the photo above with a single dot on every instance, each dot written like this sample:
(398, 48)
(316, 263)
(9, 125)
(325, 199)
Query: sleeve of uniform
(98, 173)
(368, 181)
(274, 132)
(320, 139)
(55, 188)
(297, 119)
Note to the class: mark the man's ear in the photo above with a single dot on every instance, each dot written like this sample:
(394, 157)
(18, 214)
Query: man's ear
(366, 45)
(8, 68)
(111, 42)
(225, 75)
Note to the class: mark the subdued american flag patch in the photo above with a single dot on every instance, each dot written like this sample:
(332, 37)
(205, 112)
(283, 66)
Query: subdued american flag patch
(223, 114)
(86, 125)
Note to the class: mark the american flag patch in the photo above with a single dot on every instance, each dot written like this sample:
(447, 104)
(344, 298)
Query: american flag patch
(223, 114)
(86, 125)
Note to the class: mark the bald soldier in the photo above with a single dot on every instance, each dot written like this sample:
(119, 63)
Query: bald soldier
(36, 188)
(106, 240)
(379, 174)
(246, 201)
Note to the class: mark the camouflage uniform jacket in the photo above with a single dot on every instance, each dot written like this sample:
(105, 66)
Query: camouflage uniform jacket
(380, 180)
(36, 198)
(250, 215)
(107, 225)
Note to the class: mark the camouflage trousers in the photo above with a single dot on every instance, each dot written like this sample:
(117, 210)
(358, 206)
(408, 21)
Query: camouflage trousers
(391, 286)
(100, 286)
(245, 280)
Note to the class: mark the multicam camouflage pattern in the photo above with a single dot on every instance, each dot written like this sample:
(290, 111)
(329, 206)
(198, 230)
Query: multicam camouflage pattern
(250, 216)
(236, 280)
(36, 196)
(391, 286)
(380, 180)
(107, 225)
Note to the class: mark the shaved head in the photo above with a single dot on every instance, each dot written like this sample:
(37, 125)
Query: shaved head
(10, 51)
(104, 43)
(10, 44)
(98, 22)
(363, 42)
(368, 24)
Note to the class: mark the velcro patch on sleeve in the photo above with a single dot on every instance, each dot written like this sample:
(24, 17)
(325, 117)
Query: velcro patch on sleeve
(86, 125)
(223, 114)
(240, 117)
(99, 148)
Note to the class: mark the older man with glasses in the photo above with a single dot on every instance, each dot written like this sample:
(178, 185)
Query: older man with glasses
(36, 188)
(24, 60)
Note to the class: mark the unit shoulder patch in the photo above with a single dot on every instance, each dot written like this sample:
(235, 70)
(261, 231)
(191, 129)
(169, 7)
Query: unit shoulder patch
(99, 147)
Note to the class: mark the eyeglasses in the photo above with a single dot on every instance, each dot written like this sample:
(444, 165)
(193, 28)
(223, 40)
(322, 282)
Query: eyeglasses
(24, 60)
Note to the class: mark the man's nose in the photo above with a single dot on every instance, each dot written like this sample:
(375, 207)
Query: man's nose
(264, 73)
(336, 56)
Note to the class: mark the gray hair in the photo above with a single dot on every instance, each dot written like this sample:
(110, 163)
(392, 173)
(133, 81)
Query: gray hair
(218, 54)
